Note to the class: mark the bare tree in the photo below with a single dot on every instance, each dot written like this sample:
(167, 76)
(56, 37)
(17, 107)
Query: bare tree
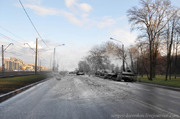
(118, 51)
(84, 66)
(171, 33)
(150, 19)
(177, 42)
(142, 58)
(97, 59)
(133, 54)
(176, 54)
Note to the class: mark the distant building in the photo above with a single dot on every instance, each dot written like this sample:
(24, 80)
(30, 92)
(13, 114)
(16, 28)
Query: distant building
(7, 65)
(11, 65)
(14, 64)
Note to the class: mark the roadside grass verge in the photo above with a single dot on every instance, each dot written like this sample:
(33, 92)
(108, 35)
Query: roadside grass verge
(13, 83)
(160, 80)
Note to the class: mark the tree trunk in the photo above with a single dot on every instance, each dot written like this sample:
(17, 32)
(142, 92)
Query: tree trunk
(167, 67)
(169, 52)
(171, 60)
(132, 63)
(142, 58)
(151, 62)
(145, 69)
(154, 63)
(155, 57)
(175, 66)
(170, 67)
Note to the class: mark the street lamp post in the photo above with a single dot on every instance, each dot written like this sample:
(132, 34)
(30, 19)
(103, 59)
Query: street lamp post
(36, 54)
(54, 56)
(3, 50)
(123, 64)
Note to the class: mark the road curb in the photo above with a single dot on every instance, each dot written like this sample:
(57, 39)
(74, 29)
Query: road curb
(5, 96)
(161, 86)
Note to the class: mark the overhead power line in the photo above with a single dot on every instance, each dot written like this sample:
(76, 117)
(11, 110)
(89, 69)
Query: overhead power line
(11, 33)
(8, 38)
(32, 23)
(16, 51)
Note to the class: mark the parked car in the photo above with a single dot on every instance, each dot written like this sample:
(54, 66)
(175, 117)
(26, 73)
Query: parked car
(112, 76)
(97, 73)
(100, 74)
(79, 73)
(126, 76)
(72, 72)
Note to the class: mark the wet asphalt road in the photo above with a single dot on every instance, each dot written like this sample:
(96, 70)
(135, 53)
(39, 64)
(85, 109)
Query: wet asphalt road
(83, 97)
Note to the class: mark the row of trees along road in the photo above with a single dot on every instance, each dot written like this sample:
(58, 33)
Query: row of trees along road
(101, 58)
(157, 24)
(159, 28)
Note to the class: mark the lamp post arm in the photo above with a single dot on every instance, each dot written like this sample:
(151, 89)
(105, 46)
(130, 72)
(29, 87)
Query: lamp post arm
(116, 40)
(123, 64)
(29, 46)
(8, 46)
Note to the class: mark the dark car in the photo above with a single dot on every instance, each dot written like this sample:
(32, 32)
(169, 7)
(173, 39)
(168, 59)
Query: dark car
(97, 73)
(126, 76)
(72, 72)
(79, 73)
(112, 76)
(100, 74)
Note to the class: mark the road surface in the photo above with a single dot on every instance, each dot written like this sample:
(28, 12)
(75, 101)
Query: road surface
(83, 97)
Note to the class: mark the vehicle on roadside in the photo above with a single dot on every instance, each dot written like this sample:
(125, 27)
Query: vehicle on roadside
(126, 76)
(79, 73)
(111, 76)
(72, 72)
(100, 74)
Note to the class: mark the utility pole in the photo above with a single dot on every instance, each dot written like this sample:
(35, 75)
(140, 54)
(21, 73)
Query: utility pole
(4, 49)
(54, 59)
(40, 65)
(50, 63)
(2, 60)
(36, 56)
(123, 57)
(123, 54)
